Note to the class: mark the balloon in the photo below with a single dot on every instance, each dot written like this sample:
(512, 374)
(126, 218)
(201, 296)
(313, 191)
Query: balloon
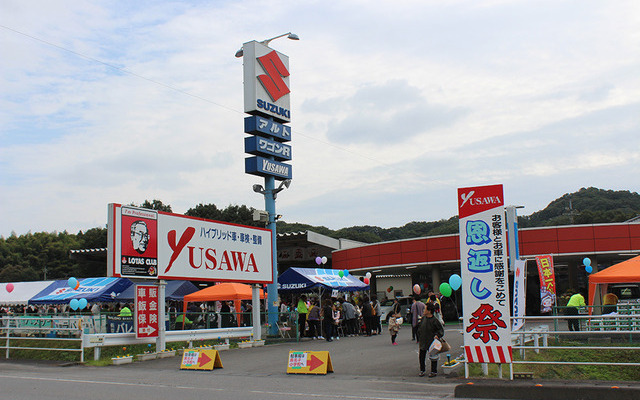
(455, 281)
(389, 289)
(82, 303)
(445, 289)
(416, 289)
(366, 281)
(73, 283)
(74, 304)
(589, 269)
(9, 287)
(324, 260)
(368, 275)
(341, 274)
(586, 261)
(318, 260)
(346, 272)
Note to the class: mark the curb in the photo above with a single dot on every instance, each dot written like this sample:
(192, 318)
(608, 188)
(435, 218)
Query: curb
(546, 391)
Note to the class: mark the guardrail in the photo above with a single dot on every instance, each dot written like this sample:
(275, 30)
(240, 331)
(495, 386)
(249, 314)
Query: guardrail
(18, 330)
(98, 340)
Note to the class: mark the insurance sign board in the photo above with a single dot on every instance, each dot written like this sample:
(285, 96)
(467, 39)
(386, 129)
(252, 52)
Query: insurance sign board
(158, 245)
(146, 311)
(485, 281)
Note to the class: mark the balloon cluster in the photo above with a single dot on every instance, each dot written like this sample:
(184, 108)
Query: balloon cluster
(76, 304)
(587, 265)
(389, 289)
(455, 282)
(367, 278)
(321, 260)
(342, 273)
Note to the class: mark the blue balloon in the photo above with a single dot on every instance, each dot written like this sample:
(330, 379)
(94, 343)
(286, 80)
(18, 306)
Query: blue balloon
(586, 261)
(74, 304)
(72, 282)
(346, 272)
(589, 269)
(82, 303)
(455, 281)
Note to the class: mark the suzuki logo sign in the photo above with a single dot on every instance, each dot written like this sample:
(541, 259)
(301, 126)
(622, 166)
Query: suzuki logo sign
(272, 81)
(266, 82)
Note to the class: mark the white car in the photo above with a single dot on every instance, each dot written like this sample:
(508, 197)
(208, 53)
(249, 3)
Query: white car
(387, 305)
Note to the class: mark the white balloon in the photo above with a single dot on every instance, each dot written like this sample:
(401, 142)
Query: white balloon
(368, 275)
(324, 259)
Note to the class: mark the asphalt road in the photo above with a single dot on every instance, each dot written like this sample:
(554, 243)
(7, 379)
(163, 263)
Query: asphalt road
(364, 368)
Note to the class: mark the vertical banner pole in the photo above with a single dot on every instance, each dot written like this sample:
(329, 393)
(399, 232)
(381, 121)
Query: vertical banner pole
(161, 344)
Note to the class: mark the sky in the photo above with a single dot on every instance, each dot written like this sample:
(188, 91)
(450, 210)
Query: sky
(394, 105)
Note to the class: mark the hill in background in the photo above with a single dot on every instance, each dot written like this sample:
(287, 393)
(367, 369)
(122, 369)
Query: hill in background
(42, 255)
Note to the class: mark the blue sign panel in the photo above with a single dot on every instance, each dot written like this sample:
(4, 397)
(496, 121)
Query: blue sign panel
(258, 146)
(264, 167)
(261, 126)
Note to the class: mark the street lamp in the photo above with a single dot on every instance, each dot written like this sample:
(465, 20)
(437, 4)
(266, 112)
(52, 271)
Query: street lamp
(266, 42)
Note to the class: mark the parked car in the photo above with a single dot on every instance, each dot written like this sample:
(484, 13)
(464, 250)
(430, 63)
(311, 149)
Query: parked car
(387, 305)
(626, 292)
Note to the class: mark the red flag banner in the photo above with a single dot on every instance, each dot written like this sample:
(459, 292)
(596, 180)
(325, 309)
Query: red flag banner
(547, 283)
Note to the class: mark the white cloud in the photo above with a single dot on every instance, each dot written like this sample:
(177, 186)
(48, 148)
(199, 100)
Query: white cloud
(394, 106)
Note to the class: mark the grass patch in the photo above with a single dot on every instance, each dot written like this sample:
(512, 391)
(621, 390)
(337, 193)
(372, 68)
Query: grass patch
(573, 372)
(106, 352)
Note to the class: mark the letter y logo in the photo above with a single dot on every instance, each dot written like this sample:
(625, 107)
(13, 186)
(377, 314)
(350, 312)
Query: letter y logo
(177, 247)
(465, 197)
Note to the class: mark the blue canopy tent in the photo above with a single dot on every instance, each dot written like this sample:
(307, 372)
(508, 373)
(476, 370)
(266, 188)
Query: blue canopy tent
(306, 279)
(175, 290)
(95, 290)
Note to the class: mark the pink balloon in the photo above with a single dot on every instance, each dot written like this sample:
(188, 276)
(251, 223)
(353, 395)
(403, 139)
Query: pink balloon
(416, 288)
(9, 287)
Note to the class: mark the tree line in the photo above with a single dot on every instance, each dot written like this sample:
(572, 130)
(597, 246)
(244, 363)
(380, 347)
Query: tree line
(42, 255)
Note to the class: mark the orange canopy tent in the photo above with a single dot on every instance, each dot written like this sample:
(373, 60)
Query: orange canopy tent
(624, 272)
(222, 292)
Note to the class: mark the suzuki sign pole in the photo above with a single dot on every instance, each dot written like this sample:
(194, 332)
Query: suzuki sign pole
(267, 100)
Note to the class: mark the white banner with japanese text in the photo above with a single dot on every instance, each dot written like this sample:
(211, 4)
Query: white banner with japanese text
(485, 282)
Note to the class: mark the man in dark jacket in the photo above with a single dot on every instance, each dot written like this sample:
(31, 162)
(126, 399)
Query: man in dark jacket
(428, 330)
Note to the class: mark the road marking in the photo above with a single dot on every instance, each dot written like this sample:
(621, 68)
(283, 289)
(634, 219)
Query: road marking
(265, 392)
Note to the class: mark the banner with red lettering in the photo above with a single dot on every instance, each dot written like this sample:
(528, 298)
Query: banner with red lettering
(159, 245)
(547, 283)
(485, 278)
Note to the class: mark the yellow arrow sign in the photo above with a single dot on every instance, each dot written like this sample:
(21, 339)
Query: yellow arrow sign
(309, 362)
(204, 359)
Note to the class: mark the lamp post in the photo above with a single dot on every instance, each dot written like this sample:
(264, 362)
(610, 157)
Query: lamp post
(269, 191)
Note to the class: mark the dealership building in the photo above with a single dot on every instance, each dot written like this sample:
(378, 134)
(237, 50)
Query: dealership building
(429, 261)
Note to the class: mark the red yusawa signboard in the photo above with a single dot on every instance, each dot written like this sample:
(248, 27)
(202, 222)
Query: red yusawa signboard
(146, 311)
(485, 283)
(158, 245)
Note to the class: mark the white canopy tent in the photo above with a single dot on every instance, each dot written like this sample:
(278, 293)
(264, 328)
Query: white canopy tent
(22, 292)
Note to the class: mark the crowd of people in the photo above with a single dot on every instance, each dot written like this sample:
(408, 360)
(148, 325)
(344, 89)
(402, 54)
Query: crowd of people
(338, 317)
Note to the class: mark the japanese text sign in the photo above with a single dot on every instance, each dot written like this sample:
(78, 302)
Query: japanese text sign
(309, 362)
(483, 263)
(547, 282)
(146, 311)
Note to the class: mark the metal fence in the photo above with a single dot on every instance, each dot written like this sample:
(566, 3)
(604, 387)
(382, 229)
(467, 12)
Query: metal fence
(17, 332)
(599, 333)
